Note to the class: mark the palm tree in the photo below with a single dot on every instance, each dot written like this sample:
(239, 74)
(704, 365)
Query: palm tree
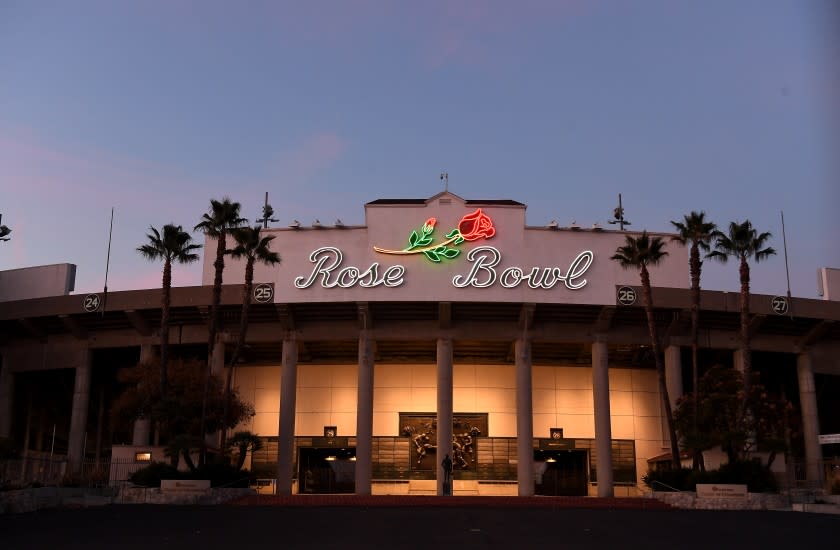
(639, 253)
(742, 241)
(697, 232)
(175, 245)
(254, 247)
(217, 222)
(244, 442)
(222, 217)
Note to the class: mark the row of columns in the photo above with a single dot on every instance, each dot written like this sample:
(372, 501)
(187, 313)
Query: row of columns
(364, 415)
(364, 422)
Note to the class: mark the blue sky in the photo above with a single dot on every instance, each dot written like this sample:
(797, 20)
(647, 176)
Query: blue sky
(154, 107)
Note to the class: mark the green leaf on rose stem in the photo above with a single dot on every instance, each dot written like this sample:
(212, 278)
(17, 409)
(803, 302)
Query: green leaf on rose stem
(451, 253)
(412, 239)
(432, 255)
(425, 241)
(453, 233)
(459, 240)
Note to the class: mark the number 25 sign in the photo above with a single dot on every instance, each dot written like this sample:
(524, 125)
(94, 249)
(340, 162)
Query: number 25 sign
(263, 293)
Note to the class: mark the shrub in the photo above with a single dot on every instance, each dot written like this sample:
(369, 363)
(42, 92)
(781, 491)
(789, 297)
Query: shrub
(757, 477)
(221, 474)
(151, 475)
(668, 480)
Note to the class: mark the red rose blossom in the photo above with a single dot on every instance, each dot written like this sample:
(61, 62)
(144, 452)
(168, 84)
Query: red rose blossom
(476, 225)
(429, 225)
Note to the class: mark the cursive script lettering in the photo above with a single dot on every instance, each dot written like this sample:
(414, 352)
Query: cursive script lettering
(327, 260)
(484, 260)
(482, 273)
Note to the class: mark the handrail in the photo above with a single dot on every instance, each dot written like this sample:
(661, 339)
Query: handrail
(654, 482)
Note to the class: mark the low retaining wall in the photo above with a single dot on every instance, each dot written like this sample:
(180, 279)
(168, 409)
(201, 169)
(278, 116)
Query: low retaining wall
(33, 499)
(754, 501)
(154, 495)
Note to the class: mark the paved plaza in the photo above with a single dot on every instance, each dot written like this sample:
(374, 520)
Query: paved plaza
(151, 527)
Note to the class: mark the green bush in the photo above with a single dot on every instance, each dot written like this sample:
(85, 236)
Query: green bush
(757, 477)
(151, 475)
(668, 480)
(223, 475)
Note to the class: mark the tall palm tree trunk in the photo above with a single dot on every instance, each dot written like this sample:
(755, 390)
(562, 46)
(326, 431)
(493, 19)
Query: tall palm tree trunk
(219, 266)
(240, 343)
(746, 353)
(647, 295)
(164, 324)
(694, 268)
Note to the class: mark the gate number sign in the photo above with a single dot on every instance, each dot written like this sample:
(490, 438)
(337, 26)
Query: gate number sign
(91, 302)
(779, 304)
(626, 296)
(263, 293)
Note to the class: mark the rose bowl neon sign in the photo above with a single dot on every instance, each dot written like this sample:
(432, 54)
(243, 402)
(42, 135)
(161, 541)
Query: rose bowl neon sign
(483, 272)
(472, 227)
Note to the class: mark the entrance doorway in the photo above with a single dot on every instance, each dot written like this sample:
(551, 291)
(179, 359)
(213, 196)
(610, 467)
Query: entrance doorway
(560, 473)
(322, 471)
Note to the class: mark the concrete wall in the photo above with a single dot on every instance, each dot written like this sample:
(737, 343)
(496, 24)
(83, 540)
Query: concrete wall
(562, 397)
(828, 283)
(37, 282)
(389, 226)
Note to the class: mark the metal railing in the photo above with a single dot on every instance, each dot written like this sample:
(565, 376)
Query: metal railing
(55, 471)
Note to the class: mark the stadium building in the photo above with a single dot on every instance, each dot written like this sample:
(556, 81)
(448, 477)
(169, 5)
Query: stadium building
(440, 323)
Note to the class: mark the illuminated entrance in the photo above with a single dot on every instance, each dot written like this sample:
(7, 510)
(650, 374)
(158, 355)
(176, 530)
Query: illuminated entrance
(560, 472)
(326, 470)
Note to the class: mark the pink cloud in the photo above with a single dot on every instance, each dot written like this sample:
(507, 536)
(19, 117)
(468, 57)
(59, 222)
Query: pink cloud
(467, 32)
(314, 155)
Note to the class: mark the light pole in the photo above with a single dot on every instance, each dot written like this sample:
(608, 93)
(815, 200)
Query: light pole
(618, 214)
(4, 231)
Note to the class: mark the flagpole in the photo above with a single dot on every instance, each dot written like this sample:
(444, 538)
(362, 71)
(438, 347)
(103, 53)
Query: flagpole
(108, 263)
(787, 271)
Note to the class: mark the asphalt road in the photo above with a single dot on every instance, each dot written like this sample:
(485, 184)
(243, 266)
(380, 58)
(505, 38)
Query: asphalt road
(150, 527)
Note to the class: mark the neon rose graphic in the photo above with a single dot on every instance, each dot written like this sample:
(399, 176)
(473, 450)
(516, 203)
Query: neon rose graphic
(476, 225)
(472, 227)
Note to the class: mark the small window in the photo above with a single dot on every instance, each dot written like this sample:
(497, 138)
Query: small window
(145, 456)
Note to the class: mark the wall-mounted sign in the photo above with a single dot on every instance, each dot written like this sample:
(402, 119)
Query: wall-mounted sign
(779, 305)
(626, 296)
(91, 302)
(482, 272)
(473, 226)
(263, 293)
(828, 439)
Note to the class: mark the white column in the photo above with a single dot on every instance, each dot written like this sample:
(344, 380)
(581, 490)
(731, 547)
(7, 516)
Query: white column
(147, 352)
(286, 428)
(603, 430)
(524, 419)
(6, 393)
(217, 359)
(673, 374)
(738, 360)
(444, 406)
(143, 425)
(810, 419)
(78, 415)
(364, 415)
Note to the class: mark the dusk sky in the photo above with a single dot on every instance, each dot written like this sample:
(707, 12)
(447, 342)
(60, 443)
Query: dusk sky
(155, 107)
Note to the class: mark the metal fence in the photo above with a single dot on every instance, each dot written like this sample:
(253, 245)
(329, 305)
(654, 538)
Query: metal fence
(55, 471)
